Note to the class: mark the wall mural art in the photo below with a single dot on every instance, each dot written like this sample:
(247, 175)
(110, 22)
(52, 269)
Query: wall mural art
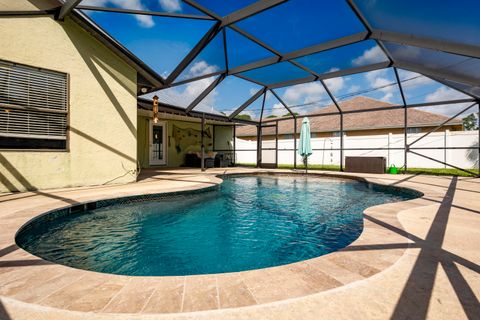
(185, 137)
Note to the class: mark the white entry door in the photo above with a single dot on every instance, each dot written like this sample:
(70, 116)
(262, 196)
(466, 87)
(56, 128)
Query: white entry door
(158, 146)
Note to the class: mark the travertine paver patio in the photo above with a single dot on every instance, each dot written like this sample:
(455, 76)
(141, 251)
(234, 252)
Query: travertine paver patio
(414, 259)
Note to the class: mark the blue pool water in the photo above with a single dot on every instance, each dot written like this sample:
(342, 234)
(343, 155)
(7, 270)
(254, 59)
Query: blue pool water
(249, 222)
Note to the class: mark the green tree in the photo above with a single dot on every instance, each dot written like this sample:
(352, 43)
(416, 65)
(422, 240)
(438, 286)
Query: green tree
(244, 117)
(289, 114)
(271, 116)
(470, 122)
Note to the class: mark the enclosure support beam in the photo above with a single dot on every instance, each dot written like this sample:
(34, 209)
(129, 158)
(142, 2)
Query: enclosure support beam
(202, 165)
(205, 93)
(234, 160)
(294, 142)
(259, 138)
(194, 52)
(27, 13)
(282, 102)
(341, 142)
(405, 120)
(250, 10)
(225, 52)
(429, 43)
(66, 8)
(340, 42)
(341, 121)
(146, 12)
(330, 95)
(247, 103)
(259, 134)
(453, 86)
(203, 9)
(291, 82)
(437, 73)
(369, 28)
(442, 162)
(416, 105)
(276, 144)
(405, 142)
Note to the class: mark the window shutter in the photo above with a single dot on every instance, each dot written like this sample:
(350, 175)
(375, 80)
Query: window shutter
(33, 102)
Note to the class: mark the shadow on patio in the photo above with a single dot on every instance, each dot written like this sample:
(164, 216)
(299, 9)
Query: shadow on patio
(3, 313)
(415, 298)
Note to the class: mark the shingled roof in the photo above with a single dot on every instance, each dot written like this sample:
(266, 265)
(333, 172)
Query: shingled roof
(381, 119)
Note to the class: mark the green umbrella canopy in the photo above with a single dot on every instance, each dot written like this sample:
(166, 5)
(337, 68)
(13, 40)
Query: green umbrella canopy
(304, 147)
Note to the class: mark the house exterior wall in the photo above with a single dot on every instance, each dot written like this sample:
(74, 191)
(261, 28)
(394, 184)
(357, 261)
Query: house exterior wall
(176, 155)
(102, 109)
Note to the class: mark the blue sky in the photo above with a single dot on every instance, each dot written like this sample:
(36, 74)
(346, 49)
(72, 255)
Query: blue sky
(163, 42)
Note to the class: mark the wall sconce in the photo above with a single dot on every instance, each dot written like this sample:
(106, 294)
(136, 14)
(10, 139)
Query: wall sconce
(155, 109)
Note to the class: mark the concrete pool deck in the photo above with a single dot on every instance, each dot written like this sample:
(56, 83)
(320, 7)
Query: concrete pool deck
(415, 259)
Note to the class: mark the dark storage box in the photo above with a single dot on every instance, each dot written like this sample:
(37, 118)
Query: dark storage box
(365, 164)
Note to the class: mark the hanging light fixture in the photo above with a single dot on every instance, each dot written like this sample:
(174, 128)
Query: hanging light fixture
(155, 109)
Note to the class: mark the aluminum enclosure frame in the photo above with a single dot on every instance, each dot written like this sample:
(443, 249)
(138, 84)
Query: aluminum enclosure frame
(152, 81)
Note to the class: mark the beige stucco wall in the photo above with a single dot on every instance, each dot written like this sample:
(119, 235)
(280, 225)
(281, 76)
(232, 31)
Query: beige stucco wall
(176, 158)
(103, 112)
(27, 5)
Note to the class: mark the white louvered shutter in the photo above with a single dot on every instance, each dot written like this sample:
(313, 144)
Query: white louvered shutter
(33, 102)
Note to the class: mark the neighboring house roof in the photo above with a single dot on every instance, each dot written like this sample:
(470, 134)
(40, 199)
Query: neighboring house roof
(381, 119)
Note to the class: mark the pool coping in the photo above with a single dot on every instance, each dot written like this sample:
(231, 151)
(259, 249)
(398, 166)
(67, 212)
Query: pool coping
(215, 291)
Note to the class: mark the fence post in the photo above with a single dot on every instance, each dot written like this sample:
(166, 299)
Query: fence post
(389, 139)
(446, 144)
(295, 142)
(234, 145)
(259, 145)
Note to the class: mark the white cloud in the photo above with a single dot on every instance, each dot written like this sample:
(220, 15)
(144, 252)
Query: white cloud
(335, 84)
(304, 93)
(377, 80)
(370, 56)
(354, 88)
(183, 95)
(371, 76)
(171, 5)
(412, 80)
(312, 93)
(277, 110)
(253, 91)
(201, 68)
(384, 84)
(143, 20)
(445, 94)
(387, 97)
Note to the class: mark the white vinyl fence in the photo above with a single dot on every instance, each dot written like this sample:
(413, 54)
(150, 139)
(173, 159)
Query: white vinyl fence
(393, 149)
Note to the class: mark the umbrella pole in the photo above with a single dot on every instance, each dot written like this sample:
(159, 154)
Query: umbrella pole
(306, 165)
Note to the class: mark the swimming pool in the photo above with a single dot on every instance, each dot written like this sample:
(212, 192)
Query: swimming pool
(248, 222)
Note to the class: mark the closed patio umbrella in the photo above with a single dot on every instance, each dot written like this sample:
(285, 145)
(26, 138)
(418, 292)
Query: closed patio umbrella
(304, 147)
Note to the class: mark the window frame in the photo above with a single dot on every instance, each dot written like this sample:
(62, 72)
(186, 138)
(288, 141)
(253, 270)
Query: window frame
(414, 130)
(67, 110)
